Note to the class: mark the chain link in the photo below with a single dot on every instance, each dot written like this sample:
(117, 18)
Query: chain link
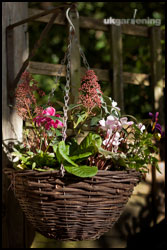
(67, 96)
(51, 94)
(67, 57)
(86, 64)
(67, 86)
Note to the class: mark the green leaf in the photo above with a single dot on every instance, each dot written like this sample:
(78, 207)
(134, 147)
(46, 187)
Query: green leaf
(81, 118)
(34, 165)
(80, 156)
(73, 106)
(42, 159)
(58, 133)
(157, 168)
(63, 152)
(44, 170)
(55, 147)
(115, 112)
(24, 159)
(60, 103)
(95, 120)
(54, 118)
(106, 101)
(122, 162)
(82, 171)
(16, 153)
(30, 153)
(91, 143)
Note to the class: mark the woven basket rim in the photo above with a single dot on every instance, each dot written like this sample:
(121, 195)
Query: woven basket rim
(105, 173)
(36, 172)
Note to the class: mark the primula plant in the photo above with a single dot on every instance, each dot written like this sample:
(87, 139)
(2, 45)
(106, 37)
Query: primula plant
(99, 137)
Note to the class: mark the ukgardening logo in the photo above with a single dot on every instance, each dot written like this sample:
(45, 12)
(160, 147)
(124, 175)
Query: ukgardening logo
(146, 21)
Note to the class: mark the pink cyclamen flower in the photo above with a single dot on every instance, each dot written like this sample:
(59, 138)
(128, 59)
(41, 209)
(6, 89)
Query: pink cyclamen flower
(48, 122)
(113, 126)
(49, 111)
(114, 123)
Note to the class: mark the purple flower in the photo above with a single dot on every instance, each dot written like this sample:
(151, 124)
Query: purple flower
(156, 126)
(154, 118)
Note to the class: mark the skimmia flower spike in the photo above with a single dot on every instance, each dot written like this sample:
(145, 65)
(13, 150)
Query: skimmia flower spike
(90, 91)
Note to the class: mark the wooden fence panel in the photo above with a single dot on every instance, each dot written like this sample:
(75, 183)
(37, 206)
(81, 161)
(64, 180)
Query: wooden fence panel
(157, 94)
(75, 61)
(50, 69)
(96, 24)
(116, 65)
(13, 221)
(157, 82)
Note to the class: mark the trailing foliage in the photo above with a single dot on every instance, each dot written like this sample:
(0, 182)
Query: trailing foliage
(101, 138)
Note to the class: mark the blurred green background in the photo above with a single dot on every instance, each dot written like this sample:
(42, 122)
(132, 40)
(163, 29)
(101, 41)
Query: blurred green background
(96, 46)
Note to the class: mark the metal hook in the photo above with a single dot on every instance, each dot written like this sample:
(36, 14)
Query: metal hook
(69, 20)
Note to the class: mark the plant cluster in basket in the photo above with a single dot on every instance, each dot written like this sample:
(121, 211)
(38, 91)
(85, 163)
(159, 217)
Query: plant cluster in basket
(98, 136)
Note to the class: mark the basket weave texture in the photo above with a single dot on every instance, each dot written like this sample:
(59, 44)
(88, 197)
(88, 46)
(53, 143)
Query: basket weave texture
(69, 207)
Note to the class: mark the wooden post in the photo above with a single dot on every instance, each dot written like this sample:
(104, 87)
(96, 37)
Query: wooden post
(13, 219)
(116, 65)
(156, 72)
(75, 60)
(157, 94)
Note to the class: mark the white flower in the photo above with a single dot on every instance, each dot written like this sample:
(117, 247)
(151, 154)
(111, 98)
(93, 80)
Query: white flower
(114, 104)
(102, 123)
(141, 127)
(116, 141)
(114, 123)
(124, 121)
(109, 132)
(117, 136)
(105, 142)
(16, 159)
(111, 118)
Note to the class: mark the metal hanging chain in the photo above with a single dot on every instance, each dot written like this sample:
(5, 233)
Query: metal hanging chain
(77, 42)
(71, 36)
(76, 39)
(67, 90)
(67, 86)
(86, 64)
(51, 94)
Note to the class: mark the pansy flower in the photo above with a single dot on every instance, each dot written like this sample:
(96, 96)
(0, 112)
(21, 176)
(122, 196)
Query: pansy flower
(155, 125)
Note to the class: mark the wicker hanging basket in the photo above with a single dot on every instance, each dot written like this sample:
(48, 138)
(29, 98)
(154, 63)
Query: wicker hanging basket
(69, 207)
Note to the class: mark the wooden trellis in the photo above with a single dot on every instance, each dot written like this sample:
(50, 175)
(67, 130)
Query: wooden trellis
(118, 78)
